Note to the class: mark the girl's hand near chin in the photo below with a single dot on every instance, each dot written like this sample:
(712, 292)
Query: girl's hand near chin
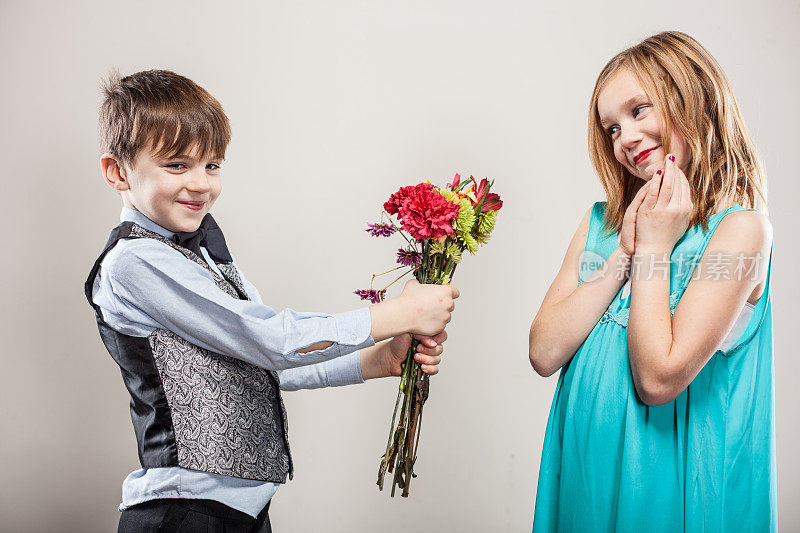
(627, 234)
(664, 215)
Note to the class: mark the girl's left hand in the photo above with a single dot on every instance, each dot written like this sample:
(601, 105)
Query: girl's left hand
(429, 352)
(664, 215)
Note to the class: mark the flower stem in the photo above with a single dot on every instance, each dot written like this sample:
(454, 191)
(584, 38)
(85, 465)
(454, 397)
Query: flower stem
(398, 229)
(398, 278)
(403, 442)
(382, 273)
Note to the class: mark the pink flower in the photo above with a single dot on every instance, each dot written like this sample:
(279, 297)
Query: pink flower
(373, 295)
(380, 230)
(456, 181)
(409, 258)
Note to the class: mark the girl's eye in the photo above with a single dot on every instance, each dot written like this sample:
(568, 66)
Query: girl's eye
(638, 110)
(612, 130)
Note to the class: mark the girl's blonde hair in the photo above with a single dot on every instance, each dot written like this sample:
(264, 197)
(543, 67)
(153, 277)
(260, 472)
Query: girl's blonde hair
(689, 89)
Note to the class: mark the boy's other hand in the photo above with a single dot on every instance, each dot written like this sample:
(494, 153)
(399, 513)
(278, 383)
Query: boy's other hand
(386, 358)
(428, 354)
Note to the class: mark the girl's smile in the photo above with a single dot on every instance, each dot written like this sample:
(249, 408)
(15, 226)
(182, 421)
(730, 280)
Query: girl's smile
(644, 154)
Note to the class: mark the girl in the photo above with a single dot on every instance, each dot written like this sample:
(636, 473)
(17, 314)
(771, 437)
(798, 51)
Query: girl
(661, 323)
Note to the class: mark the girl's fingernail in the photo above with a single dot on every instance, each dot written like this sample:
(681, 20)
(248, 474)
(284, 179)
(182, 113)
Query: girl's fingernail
(672, 158)
(658, 172)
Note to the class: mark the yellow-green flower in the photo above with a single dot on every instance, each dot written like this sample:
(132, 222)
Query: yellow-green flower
(470, 243)
(453, 252)
(485, 226)
(465, 220)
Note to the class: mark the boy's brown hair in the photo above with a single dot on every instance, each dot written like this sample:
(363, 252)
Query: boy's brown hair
(162, 111)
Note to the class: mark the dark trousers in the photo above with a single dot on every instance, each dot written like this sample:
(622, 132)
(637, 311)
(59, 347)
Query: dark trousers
(172, 515)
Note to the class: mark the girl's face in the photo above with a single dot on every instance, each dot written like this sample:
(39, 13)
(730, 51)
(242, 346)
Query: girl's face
(634, 126)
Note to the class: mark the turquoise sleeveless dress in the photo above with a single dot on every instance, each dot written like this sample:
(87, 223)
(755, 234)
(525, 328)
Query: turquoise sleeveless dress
(703, 462)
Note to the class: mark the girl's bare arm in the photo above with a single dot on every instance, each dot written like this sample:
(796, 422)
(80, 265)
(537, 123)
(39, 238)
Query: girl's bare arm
(568, 313)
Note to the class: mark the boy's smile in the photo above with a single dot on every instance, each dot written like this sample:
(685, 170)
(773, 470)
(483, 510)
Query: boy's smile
(174, 192)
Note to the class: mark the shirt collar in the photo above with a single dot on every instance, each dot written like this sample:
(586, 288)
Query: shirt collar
(132, 215)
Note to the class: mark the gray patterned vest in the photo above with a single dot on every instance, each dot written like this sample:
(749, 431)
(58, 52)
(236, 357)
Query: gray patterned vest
(194, 408)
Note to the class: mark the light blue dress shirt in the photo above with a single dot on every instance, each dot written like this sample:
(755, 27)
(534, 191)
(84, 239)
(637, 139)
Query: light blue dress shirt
(144, 285)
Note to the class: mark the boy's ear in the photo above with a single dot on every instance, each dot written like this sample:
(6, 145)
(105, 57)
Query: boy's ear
(113, 172)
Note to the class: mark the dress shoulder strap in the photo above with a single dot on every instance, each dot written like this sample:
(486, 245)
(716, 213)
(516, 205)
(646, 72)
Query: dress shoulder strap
(693, 245)
(600, 244)
(687, 274)
(759, 313)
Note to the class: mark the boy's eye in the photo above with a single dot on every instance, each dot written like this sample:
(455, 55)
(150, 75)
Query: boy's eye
(176, 165)
(212, 166)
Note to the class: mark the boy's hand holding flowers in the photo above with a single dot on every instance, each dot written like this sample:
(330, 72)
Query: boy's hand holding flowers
(428, 354)
(431, 306)
(420, 309)
(386, 359)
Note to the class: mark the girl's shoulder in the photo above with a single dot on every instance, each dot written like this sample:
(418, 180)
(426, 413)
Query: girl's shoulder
(595, 215)
(743, 236)
(744, 226)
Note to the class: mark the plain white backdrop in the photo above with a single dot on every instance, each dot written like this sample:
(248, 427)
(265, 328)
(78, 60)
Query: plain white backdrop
(333, 106)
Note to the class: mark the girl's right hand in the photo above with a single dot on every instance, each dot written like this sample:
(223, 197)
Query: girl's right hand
(627, 234)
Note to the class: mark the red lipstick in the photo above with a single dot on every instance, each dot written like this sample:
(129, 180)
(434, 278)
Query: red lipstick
(641, 156)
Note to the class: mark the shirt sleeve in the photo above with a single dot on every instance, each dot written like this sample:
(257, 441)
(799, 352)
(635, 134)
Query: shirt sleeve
(179, 295)
(345, 370)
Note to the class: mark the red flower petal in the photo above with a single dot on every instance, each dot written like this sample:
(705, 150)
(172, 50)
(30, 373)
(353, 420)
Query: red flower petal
(491, 203)
(455, 183)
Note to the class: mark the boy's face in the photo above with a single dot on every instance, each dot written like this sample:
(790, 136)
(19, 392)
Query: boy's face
(174, 192)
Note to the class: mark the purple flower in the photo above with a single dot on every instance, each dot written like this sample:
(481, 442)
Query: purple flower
(380, 230)
(409, 258)
(374, 296)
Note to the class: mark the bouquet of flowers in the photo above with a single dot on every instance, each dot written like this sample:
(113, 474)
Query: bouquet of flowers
(438, 225)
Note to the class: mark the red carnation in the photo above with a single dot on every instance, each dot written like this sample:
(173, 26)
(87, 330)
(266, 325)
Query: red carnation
(398, 198)
(424, 212)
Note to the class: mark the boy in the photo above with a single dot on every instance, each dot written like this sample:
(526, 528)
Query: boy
(202, 357)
